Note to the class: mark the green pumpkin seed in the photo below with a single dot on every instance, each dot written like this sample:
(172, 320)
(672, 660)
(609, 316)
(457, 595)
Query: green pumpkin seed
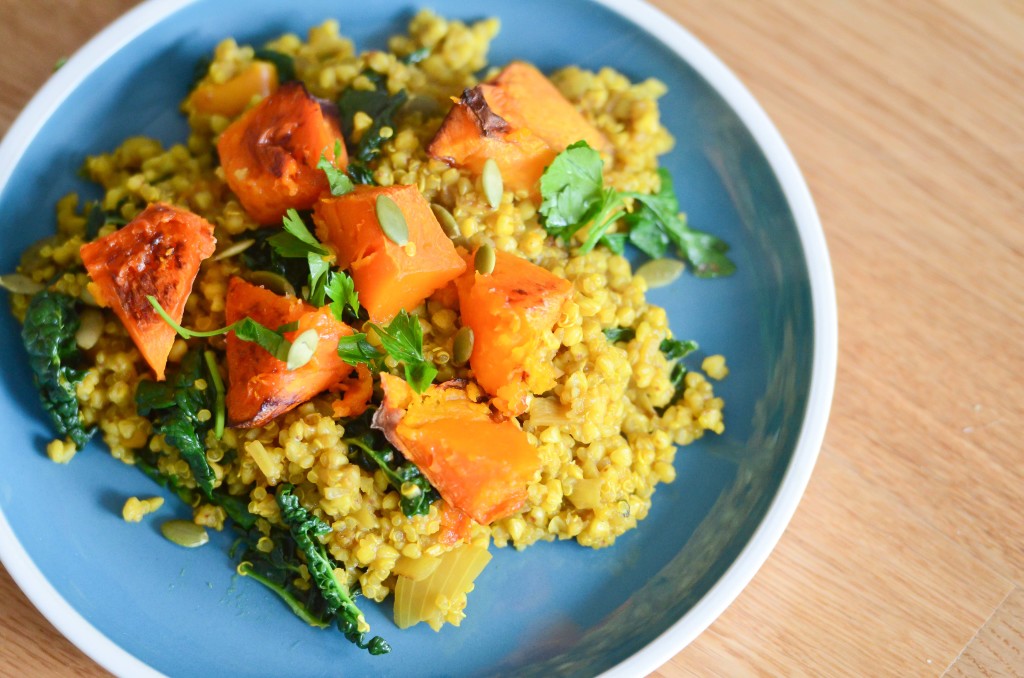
(660, 272)
(462, 346)
(90, 328)
(391, 220)
(302, 349)
(492, 182)
(274, 282)
(447, 221)
(484, 260)
(233, 249)
(20, 284)
(184, 533)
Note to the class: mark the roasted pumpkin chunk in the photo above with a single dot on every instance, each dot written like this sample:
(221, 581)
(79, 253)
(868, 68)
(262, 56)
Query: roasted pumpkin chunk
(512, 311)
(260, 386)
(519, 119)
(479, 462)
(157, 254)
(232, 97)
(388, 276)
(545, 110)
(270, 154)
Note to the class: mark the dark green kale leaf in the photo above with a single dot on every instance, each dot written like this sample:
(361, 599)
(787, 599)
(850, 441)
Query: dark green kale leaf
(262, 256)
(382, 107)
(617, 334)
(237, 508)
(173, 406)
(96, 218)
(283, 63)
(372, 452)
(305, 529)
(295, 241)
(49, 336)
(675, 349)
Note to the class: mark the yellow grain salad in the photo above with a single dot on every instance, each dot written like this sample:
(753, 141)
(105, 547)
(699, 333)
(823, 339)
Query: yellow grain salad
(400, 329)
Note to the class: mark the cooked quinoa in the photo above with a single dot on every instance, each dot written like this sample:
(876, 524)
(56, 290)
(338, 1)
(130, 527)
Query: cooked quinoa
(603, 444)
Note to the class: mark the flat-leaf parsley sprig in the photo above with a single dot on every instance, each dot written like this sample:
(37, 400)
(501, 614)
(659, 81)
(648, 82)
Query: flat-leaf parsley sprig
(574, 197)
(402, 339)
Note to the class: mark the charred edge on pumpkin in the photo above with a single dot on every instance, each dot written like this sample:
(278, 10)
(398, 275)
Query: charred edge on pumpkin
(267, 412)
(489, 122)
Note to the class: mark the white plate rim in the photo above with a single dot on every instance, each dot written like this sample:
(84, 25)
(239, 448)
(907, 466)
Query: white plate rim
(686, 46)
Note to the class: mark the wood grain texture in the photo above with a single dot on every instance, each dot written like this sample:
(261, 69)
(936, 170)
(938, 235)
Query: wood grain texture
(906, 556)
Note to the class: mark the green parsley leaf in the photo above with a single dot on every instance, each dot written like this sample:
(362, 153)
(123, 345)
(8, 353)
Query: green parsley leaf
(354, 349)
(337, 179)
(341, 290)
(403, 340)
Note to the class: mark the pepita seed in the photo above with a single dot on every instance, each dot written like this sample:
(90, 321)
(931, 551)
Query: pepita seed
(20, 284)
(462, 346)
(660, 272)
(391, 220)
(492, 182)
(447, 221)
(484, 260)
(184, 533)
(90, 328)
(275, 282)
(233, 249)
(302, 349)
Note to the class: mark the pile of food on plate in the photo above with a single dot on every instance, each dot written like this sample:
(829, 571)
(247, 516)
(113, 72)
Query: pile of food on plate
(375, 312)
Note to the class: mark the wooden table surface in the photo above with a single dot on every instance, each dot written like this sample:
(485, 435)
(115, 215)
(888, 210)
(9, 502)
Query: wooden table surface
(906, 555)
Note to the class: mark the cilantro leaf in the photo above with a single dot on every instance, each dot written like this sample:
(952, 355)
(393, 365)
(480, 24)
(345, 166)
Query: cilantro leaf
(403, 340)
(272, 342)
(245, 329)
(341, 290)
(337, 179)
(704, 252)
(571, 189)
(296, 242)
(354, 349)
(574, 197)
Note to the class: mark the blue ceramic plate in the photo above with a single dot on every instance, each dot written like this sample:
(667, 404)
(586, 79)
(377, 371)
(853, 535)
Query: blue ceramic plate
(140, 605)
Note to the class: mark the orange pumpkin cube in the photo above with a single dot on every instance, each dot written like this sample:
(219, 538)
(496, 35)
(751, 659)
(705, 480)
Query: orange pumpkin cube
(545, 110)
(157, 254)
(388, 277)
(520, 120)
(512, 311)
(234, 96)
(260, 386)
(270, 154)
(479, 463)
